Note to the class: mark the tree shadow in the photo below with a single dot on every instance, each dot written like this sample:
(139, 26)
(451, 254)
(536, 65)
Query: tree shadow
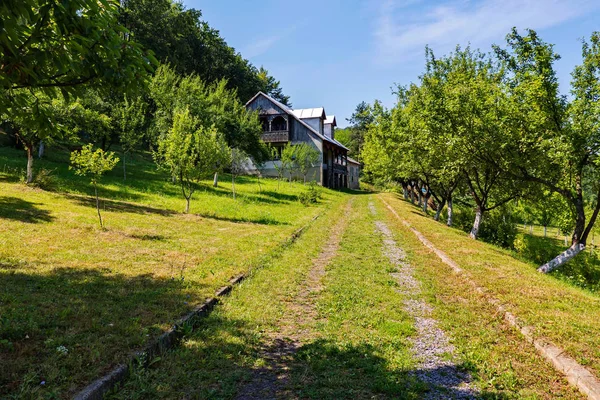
(280, 196)
(22, 210)
(67, 326)
(118, 206)
(263, 220)
(227, 359)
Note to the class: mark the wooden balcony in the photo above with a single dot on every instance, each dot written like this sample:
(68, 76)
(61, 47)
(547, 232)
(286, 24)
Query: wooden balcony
(276, 137)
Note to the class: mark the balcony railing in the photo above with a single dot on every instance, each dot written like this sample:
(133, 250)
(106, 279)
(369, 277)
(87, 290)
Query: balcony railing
(275, 137)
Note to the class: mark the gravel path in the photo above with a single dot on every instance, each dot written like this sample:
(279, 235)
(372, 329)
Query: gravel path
(436, 355)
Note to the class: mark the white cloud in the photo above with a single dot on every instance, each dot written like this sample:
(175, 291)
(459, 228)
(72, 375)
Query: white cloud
(402, 31)
(260, 46)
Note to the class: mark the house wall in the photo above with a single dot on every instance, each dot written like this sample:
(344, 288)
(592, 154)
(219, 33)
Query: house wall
(315, 123)
(353, 176)
(328, 130)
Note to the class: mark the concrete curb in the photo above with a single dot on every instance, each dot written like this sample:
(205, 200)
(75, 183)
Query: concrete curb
(168, 340)
(576, 374)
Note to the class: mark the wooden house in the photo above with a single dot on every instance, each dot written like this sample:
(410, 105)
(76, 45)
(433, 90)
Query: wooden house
(283, 126)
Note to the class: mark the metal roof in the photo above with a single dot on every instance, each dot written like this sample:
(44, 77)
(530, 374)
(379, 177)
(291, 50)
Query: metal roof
(353, 161)
(331, 120)
(305, 113)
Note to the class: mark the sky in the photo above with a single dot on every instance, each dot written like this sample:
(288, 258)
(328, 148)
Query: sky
(335, 54)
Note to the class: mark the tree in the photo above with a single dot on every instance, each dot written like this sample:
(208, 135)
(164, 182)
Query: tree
(280, 166)
(50, 46)
(191, 152)
(87, 162)
(239, 159)
(307, 157)
(51, 51)
(555, 144)
(359, 124)
(130, 115)
(289, 160)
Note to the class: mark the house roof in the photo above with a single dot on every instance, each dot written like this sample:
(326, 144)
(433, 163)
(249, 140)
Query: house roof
(353, 161)
(304, 113)
(331, 120)
(290, 112)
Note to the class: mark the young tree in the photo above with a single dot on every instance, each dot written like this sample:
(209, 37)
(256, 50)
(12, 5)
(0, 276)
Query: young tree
(191, 152)
(307, 157)
(279, 164)
(130, 116)
(289, 160)
(88, 162)
(239, 159)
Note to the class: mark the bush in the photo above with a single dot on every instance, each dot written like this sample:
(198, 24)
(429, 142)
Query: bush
(498, 226)
(42, 178)
(311, 195)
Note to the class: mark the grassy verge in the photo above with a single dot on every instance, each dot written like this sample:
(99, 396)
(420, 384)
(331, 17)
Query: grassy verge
(75, 300)
(356, 348)
(499, 358)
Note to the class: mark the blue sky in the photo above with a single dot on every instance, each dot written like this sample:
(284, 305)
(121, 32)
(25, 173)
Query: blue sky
(335, 53)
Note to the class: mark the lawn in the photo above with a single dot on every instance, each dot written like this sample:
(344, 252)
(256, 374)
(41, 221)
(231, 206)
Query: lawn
(355, 347)
(76, 299)
(559, 311)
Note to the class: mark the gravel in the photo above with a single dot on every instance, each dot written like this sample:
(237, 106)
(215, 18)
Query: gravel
(436, 356)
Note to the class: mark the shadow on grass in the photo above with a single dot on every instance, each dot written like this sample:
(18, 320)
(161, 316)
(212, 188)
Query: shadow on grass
(22, 210)
(98, 316)
(225, 359)
(118, 206)
(241, 220)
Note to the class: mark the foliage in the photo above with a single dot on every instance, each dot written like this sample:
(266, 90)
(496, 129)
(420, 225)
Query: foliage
(311, 195)
(239, 160)
(191, 152)
(180, 37)
(87, 162)
(307, 157)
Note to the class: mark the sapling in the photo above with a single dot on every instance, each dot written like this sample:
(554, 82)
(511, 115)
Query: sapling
(87, 162)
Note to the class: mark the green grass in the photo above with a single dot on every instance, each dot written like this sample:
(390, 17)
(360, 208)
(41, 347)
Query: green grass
(564, 314)
(356, 347)
(104, 293)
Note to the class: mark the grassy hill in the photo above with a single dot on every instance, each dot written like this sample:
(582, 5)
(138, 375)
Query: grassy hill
(67, 284)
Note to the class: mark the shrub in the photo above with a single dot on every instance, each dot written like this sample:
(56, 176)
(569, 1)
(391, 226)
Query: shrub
(311, 195)
(45, 179)
(498, 226)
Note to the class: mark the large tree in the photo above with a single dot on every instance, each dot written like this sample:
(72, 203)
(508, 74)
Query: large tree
(556, 144)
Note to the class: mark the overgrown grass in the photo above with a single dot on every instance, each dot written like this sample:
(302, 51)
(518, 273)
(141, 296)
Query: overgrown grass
(558, 311)
(356, 348)
(75, 299)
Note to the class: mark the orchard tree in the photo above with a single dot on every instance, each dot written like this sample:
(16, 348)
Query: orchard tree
(307, 157)
(87, 162)
(239, 160)
(191, 152)
(289, 160)
(554, 143)
(131, 117)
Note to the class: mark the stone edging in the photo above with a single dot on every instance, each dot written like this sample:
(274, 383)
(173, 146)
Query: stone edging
(168, 340)
(576, 374)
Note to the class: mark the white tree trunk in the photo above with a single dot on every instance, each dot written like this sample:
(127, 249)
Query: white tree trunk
(412, 195)
(29, 165)
(98, 205)
(41, 150)
(425, 203)
(187, 204)
(476, 224)
(449, 222)
(562, 258)
(216, 180)
(233, 185)
(545, 231)
(420, 198)
(405, 193)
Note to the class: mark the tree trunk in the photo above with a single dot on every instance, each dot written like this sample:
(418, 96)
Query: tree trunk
(29, 148)
(438, 212)
(98, 205)
(562, 258)
(216, 179)
(233, 185)
(124, 167)
(420, 203)
(476, 223)
(405, 191)
(425, 203)
(450, 210)
(187, 204)
(41, 150)
(412, 194)
(545, 230)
